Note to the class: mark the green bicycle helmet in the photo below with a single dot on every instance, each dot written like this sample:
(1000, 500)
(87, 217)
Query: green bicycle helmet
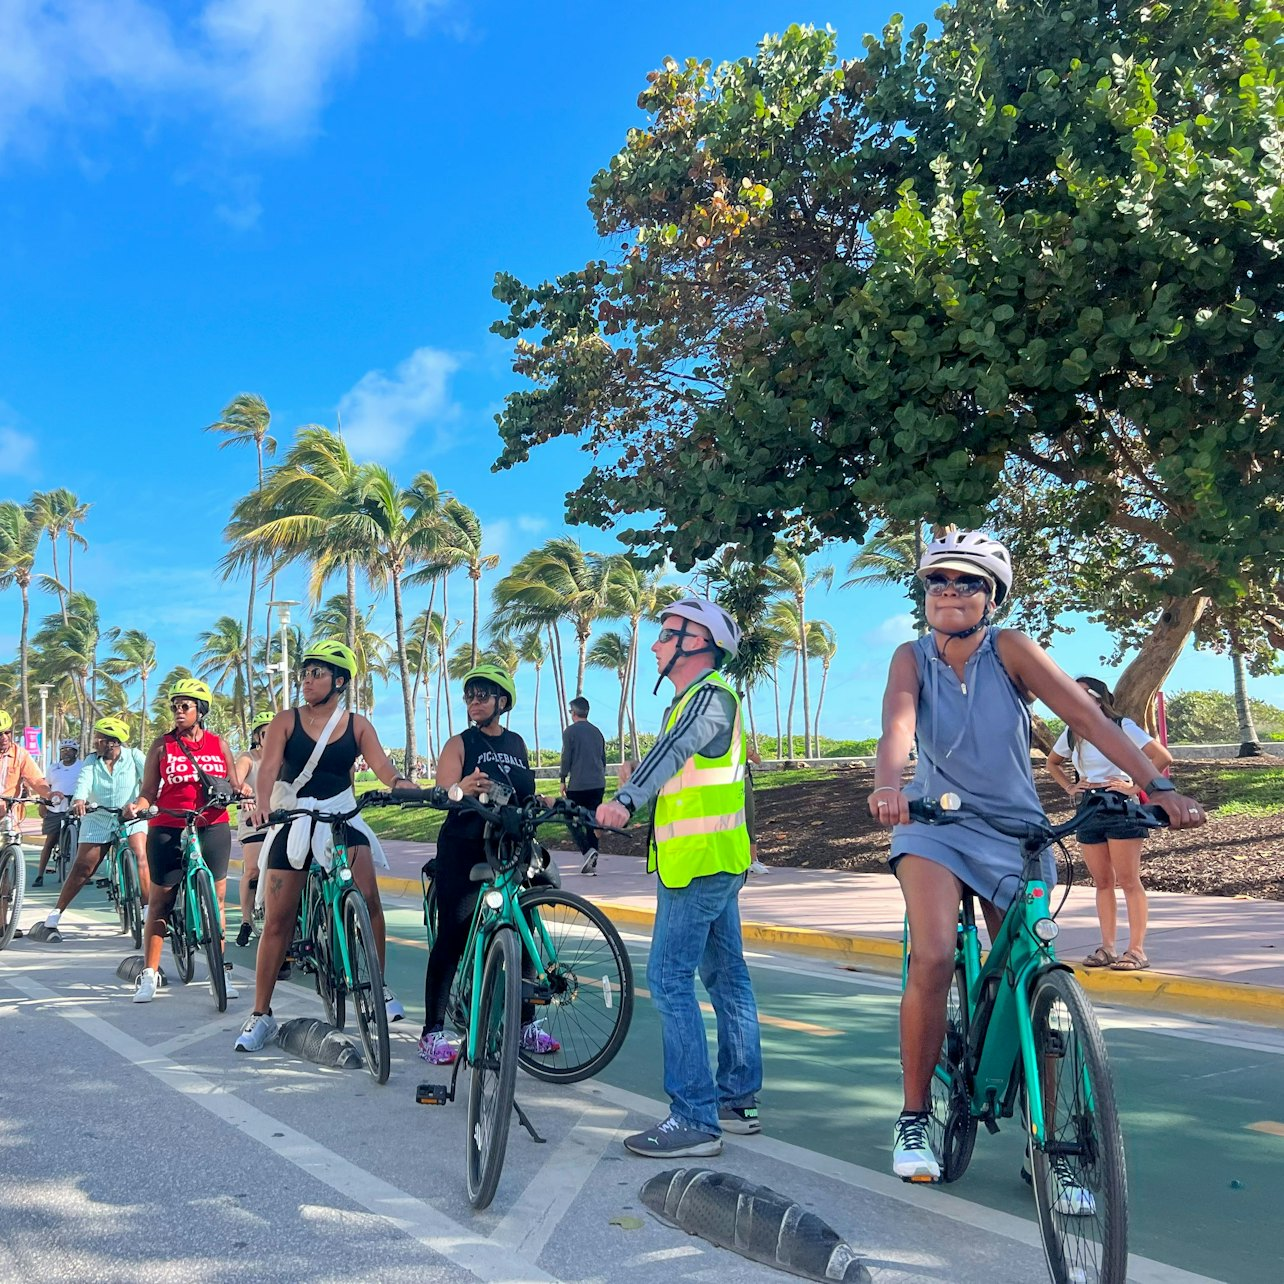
(193, 689)
(497, 677)
(113, 728)
(260, 720)
(337, 655)
(6, 721)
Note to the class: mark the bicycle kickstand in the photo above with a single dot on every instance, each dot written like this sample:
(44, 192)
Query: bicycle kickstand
(526, 1123)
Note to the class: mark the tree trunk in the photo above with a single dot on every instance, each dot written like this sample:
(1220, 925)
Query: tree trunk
(404, 665)
(775, 687)
(350, 577)
(559, 665)
(1249, 747)
(1040, 737)
(1150, 667)
(633, 695)
(476, 579)
(789, 715)
(753, 726)
(581, 641)
(820, 700)
(535, 717)
(62, 592)
(806, 690)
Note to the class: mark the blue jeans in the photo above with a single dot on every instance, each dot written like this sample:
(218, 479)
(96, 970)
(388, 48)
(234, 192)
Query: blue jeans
(698, 926)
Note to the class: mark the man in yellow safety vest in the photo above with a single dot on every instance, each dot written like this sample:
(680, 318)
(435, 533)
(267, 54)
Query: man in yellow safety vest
(699, 850)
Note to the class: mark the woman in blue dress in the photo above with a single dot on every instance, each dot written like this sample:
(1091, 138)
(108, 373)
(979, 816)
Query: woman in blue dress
(964, 692)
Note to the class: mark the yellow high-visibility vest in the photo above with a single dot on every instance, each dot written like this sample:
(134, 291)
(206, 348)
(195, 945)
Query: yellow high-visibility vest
(700, 813)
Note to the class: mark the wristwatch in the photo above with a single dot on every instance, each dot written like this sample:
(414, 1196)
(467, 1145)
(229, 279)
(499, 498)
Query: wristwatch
(1161, 785)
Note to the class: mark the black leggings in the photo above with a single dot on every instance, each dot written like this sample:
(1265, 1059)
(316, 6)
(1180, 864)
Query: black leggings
(456, 900)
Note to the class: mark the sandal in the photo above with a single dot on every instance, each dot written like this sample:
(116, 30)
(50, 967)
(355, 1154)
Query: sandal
(1130, 961)
(1101, 957)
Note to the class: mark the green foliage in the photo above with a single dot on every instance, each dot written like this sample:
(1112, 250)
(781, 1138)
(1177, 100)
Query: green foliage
(1259, 793)
(1208, 717)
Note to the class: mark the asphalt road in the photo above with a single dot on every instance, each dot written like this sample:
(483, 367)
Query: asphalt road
(137, 1146)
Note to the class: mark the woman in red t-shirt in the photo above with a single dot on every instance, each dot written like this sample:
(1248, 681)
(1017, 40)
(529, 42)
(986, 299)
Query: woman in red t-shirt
(170, 780)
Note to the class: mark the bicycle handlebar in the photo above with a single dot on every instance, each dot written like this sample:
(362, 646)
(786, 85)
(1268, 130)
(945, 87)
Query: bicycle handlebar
(1097, 804)
(189, 815)
(516, 819)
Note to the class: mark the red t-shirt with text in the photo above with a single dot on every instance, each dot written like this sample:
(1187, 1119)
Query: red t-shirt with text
(180, 786)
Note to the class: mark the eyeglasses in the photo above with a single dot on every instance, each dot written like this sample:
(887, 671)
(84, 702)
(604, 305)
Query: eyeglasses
(964, 586)
(667, 635)
(475, 695)
(312, 671)
(182, 706)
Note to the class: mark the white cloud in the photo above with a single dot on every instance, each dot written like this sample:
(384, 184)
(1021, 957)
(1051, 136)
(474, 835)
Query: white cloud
(893, 631)
(511, 537)
(417, 15)
(17, 451)
(263, 65)
(381, 412)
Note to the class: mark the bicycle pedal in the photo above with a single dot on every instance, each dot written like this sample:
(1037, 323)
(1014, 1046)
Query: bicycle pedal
(102, 882)
(922, 1179)
(432, 1094)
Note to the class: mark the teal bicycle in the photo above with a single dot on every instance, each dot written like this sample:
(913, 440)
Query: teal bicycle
(533, 946)
(194, 922)
(121, 881)
(1022, 1036)
(13, 874)
(335, 942)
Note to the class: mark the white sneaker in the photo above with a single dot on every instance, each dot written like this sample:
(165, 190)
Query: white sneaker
(145, 986)
(912, 1157)
(392, 1005)
(256, 1032)
(757, 867)
(51, 919)
(1073, 1199)
(590, 862)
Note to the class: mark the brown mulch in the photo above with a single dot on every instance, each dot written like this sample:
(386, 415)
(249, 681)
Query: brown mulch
(824, 825)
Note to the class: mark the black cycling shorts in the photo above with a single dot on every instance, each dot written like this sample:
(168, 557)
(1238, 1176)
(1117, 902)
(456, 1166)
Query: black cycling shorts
(277, 858)
(165, 852)
(1098, 831)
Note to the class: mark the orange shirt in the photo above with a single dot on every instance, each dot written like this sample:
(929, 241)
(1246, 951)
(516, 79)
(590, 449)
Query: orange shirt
(18, 768)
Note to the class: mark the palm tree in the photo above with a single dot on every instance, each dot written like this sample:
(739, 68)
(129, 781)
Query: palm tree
(530, 650)
(460, 541)
(614, 651)
(133, 657)
(1249, 746)
(219, 660)
(786, 569)
(57, 512)
(782, 622)
(822, 644)
(71, 647)
(20, 533)
(742, 589)
(245, 421)
(890, 559)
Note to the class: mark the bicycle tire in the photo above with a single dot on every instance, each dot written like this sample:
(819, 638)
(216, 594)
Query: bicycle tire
(590, 1002)
(494, 1070)
(181, 944)
(66, 849)
(1084, 1139)
(365, 986)
(953, 1125)
(132, 910)
(13, 886)
(329, 986)
(210, 932)
(116, 888)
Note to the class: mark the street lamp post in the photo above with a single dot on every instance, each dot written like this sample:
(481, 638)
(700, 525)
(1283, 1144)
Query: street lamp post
(45, 688)
(283, 614)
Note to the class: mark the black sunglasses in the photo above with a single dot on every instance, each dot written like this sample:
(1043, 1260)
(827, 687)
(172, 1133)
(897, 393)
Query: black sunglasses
(667, 635)
(477, 695)
(964, 586)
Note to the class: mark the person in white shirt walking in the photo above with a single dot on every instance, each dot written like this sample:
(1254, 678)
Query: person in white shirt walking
(1113, 859)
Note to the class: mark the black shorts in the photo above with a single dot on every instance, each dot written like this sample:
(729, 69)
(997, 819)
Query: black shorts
(277, 858)
(51, 823)
(165, 852)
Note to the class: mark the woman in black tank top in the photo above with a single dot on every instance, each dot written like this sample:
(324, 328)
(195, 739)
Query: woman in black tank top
(485, 752)
(325, 671)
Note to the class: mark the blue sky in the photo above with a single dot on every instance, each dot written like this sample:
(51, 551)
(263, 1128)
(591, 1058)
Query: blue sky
(309, 199)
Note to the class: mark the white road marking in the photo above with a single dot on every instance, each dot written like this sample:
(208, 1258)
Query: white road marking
(536, 1212)
(413, 1217)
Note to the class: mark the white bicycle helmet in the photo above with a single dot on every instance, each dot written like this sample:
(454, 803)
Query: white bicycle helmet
(973, 553)
(699, 610)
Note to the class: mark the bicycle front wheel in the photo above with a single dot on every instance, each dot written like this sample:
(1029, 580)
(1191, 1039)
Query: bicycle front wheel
(67, 836)
(211, 938)
(587, 1004)
(320, 934)
(131, 904)
(13, 885)
(494, 1071)
(181, 944)
(1080, 1182)
(953, 1126)
(365, 985)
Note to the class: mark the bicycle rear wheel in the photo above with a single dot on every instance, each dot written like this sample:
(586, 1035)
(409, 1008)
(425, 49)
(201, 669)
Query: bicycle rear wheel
(320, 934)
(131, 909)
(67, 837)
(210, 934)
(181, 944)
(953, 1126)
(13, 885)
(366, 985)
(587, 1004)
(494, 1071)
(1080, 1181)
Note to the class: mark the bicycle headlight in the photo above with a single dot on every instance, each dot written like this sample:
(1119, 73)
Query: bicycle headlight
(494, 899)
(1046, 929)
(345, 876)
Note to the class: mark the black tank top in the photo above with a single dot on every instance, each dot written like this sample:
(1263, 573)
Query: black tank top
(333, 772)
(502, 757)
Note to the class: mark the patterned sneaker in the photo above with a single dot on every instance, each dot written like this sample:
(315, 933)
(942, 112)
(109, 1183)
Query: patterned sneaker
(438, 1049)
(256, 1032)
(672, 1139)
(740, 1119)
(912, 1157)
(392, 1005)
(145, 986)
(590, 862)
(538, 1040)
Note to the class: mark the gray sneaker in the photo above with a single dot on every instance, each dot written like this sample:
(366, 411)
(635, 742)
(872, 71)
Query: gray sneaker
(590, 862)
(672, 1139)
(740, 1119)
(256, 1032)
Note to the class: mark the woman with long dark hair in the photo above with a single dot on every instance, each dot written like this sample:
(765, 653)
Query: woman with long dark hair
(1114, 859)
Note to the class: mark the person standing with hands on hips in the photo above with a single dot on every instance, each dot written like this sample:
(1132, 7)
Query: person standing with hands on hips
(699, 849)
(583, 774)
